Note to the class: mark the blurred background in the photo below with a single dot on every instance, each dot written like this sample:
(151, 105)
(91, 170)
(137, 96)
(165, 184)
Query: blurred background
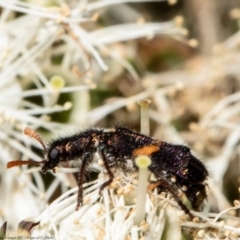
(68, 65)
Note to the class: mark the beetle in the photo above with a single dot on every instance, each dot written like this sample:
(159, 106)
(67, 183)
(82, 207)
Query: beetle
(175, 168)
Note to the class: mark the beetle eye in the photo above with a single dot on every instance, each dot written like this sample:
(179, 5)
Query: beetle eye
(54, 153)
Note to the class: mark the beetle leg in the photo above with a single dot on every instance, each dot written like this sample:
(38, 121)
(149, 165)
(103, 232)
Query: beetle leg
(109, 172)
(85, 161)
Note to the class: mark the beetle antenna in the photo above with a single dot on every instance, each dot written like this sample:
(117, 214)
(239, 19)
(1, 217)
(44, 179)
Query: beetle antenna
(31, 133)
(16, 163)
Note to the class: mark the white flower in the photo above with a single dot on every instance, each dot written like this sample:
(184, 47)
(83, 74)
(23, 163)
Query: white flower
(107, 216)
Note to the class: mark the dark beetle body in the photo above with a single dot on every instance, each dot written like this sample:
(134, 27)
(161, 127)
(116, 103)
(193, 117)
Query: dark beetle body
(174, 167)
